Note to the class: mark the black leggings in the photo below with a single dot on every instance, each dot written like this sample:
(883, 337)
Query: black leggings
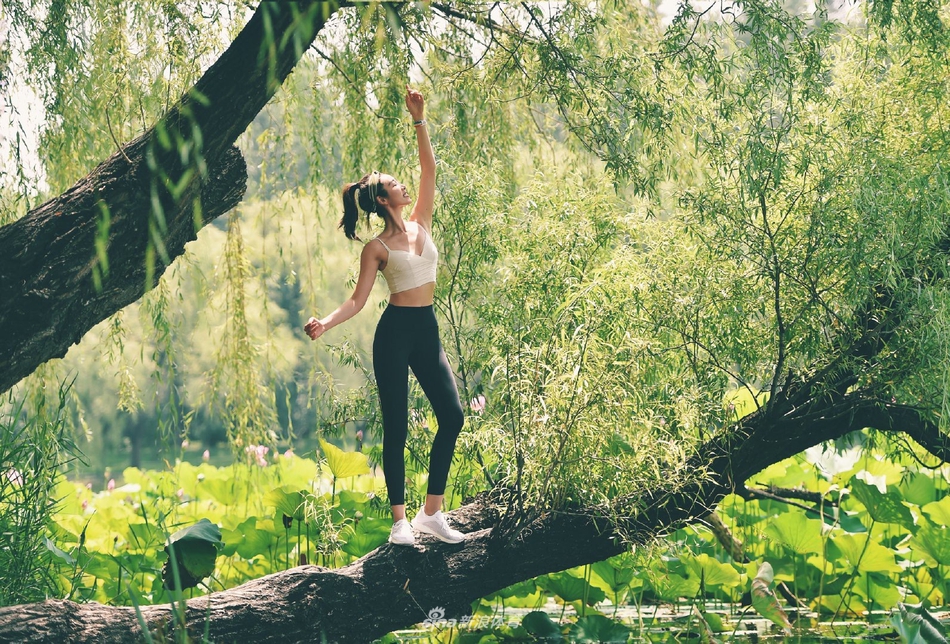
(409, 337)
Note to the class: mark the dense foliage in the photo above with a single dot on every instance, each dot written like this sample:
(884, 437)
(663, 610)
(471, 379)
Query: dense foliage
(647, 228)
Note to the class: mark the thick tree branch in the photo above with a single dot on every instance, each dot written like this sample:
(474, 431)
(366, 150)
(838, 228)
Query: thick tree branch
(889, 417)
(49, 266)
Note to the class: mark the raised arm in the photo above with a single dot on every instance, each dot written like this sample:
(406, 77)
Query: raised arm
(422, 210)
(369, 263)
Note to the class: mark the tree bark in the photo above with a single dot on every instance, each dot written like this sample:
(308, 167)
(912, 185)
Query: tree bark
(145, 202)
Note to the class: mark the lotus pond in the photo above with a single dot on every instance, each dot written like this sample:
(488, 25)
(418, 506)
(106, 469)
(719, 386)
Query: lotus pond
(856, 536)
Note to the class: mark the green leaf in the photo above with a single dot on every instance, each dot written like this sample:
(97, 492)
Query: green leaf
(669, 585)
(192, 551)
(885, 508)
(939, 511)
(918, 488)
(915, 625)
(570, 588)
(598, 628)
(144, 535)
(796, 532)
(369, 534)
(933, 542)
(764, 600)
(225, 490)
(98, 565)
(879, 589)
(352, 500)
(254, 541)
(194, 560)
(714, 622)
(541, 626)
(288, 501)
(713, 572)
(202, 531)
(344, 464)
(615, 575)
(865, 556)
(520, 590)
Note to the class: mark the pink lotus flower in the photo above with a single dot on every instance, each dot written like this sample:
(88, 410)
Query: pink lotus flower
(258, 453)
(85, 504)
(206, 456)
(289, 453)
(185, 444)
(478, 404)
(180, 493)
(110, 485)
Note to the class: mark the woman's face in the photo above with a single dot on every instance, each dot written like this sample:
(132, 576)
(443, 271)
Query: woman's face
(396, 193)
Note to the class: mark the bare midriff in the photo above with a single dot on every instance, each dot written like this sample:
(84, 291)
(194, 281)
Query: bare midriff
(420, 296)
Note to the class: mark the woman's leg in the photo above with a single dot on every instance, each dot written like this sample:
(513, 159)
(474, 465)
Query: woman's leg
(432, 370)
(391, 367)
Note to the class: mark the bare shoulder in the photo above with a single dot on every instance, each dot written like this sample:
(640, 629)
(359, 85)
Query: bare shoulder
(373, 249)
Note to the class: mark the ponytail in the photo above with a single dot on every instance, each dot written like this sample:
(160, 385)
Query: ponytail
(361, 196)
(351, 213)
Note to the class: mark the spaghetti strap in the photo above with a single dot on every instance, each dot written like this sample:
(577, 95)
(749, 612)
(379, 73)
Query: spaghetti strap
(383, 243)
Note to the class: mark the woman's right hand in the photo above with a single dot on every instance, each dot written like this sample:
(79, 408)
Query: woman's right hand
(415, 103)
(314, 328)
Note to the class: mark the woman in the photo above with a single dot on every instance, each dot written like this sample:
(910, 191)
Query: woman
(407, 334)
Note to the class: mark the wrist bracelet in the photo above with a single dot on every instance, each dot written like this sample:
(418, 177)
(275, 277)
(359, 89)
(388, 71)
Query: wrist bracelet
(416, 123)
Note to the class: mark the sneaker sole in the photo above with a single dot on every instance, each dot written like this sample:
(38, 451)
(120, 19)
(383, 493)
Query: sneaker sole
(438, 536)
(402, 543)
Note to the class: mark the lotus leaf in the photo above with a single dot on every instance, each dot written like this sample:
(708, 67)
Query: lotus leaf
(796, 532)
(344, 464)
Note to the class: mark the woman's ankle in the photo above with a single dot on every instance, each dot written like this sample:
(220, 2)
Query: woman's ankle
(399, 512)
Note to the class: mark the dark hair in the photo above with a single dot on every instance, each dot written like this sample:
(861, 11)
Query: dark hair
(351, 209)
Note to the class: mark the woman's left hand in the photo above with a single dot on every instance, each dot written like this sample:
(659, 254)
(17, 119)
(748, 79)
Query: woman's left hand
(415, 103)
(314, 328)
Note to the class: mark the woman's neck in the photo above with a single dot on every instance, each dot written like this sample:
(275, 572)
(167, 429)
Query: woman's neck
(395, 223)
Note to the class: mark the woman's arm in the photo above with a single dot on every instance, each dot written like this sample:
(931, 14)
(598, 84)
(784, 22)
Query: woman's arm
(369, 264)
(422, 210)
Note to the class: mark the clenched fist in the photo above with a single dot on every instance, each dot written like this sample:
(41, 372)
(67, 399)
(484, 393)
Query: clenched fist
(314, 328)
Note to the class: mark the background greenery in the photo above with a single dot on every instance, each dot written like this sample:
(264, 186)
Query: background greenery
(644, 226)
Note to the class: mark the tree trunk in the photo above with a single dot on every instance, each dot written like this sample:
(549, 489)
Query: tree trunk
(144, 203)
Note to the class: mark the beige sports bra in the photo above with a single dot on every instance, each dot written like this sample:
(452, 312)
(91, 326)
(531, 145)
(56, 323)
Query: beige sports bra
(405, 270)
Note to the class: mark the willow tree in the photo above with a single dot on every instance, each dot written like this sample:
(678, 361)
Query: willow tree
(769, 214)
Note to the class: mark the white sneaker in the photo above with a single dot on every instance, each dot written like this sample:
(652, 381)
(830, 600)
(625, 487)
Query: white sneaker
(401, 534)
(437, 526)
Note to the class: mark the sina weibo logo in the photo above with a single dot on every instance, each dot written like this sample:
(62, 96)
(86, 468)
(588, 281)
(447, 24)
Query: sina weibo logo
(435, 615)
